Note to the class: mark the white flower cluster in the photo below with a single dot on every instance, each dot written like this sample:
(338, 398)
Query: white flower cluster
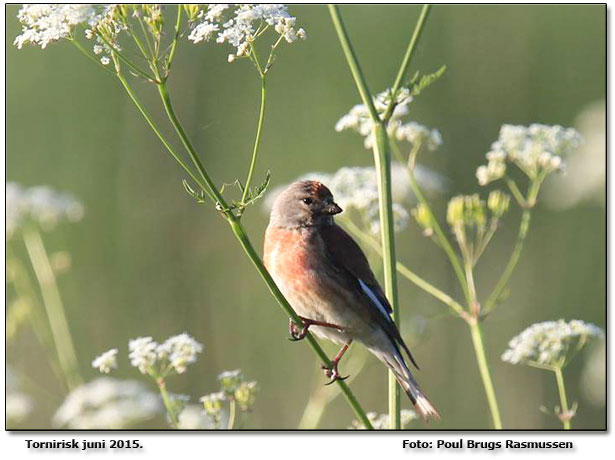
(105, 362)
(359, 119)
(356, 188)
(245, 25)
(548, 342)
(179, 350)
(381, 421)
(536, 149)
(415, 133)
(41, 205)
(107, 403)
(193, 418)
(46, 23)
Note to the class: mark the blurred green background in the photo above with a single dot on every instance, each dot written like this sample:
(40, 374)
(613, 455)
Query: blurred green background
(148, 260)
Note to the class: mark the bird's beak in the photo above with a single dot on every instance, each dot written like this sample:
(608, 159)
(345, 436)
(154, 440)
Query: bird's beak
(333, 209)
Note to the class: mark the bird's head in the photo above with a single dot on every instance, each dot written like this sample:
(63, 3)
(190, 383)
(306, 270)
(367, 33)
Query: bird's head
(305, 203)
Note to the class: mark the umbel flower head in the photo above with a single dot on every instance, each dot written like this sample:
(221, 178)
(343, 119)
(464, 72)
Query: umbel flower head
(107, 403)
(549, 343)
(536, 149)
(360, 121)
(39, 205)
(177, 352)
(241, 25)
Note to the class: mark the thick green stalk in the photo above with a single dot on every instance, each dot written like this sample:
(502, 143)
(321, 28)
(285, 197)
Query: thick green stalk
(382, 159)
(231, 414)
(483, 366)
(353, 62)
(403, 69)
(512, 262)
(257, 140)
(54, 306)
(561, 388)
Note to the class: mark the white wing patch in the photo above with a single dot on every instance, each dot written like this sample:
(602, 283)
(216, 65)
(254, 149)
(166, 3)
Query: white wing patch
(375, 300)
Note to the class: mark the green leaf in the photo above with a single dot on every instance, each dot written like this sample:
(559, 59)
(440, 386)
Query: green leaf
(418, 85)
(198, 196)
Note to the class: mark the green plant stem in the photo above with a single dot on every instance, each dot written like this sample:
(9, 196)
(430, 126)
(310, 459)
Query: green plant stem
(382, 159)
(561, 388)
(54, 307)
(353, 62)
(442, 238)
(168, 404)
(512, 262)
(403, 270)
(179, 129)
(241, 236)
(231, 414)
(178, 24)
(24, 288)
(483, 366)
(257, 140)
(403, 69)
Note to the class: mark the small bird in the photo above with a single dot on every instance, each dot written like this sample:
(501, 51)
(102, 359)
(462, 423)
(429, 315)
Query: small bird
(326, 277)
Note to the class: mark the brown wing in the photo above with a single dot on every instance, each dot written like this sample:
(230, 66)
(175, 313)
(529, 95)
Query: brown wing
(348, 258)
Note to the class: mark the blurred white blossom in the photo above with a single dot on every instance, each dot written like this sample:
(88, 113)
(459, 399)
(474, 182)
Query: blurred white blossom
(587, 165)
(381, 421)
(242, 24)
(107, 361)
(415, 133)
(40, 205)
(18, 404)
(536, 149)
(143, 353)
(548, 343)
(180, 350)
(107, 403)
(18, 407)
(45, 23)
(193, 417)
(230, 380)
(593, 376)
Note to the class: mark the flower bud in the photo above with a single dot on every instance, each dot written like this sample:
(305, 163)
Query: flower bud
(498, 203)
(454, 212)
(212, 404)
(192, 11)
(421, 214)
(230, 381)
(245, 395)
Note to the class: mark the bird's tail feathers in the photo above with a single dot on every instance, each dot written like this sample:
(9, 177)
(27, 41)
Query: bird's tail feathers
(396, 363)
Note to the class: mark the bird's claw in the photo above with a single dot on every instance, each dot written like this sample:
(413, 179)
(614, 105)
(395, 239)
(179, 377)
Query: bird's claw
(297, 333)
(332, 372)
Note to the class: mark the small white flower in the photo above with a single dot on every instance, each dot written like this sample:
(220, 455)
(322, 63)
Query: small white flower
(416, 133)
(180, 350)
(536, 149)
(105, 60)
(549, 342)
(107, 361)
(244, 24)
(359, 119)
(46, 23)
(107, 403)
(143, 353)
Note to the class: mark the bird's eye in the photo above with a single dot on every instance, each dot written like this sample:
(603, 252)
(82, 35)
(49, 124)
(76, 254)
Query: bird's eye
(307, 200)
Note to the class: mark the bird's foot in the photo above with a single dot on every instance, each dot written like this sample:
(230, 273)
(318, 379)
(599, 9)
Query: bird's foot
(332, 372)
(297, 333)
